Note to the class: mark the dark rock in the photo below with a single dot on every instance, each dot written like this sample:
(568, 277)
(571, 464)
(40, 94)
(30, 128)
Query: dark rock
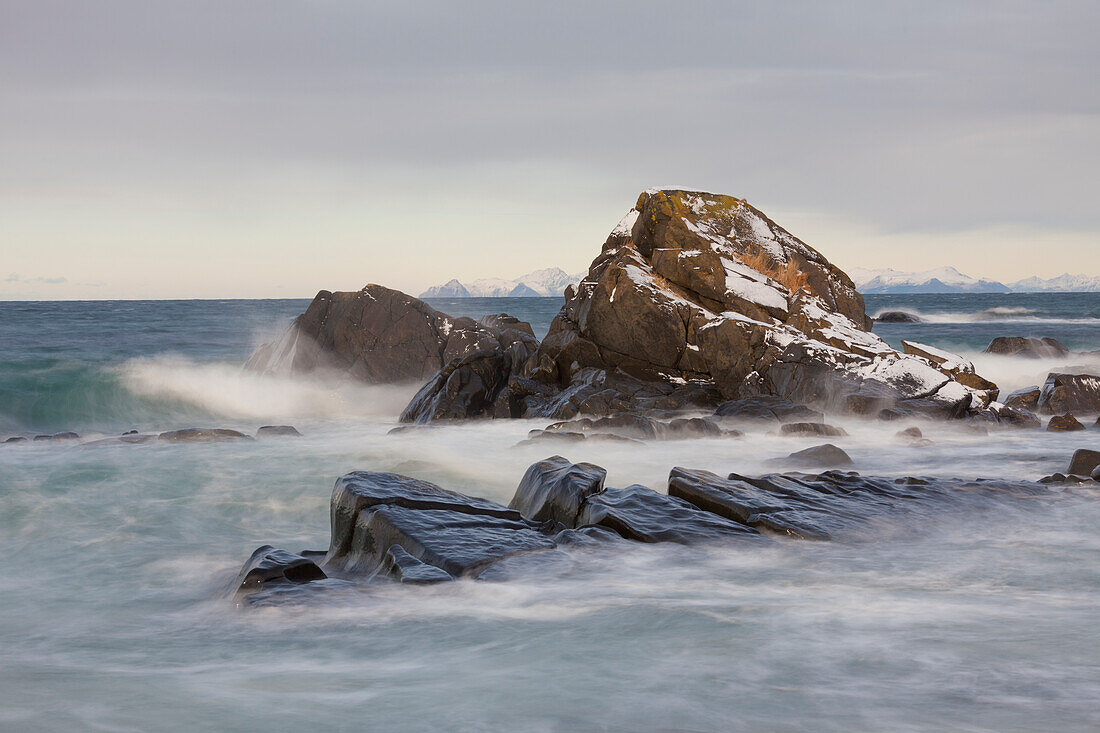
(276, 431)
(1083, 462)
(202, 435)
(1061, 478)
(58, 436)
(550, 436)
(1095, 474)
(16, 439)
(269, 566)
(404, 568)
(889, 414)
(1024, 399)
(131, 438)
(1015, 417)
(767, 407)
(695, 427)
(641, 514)
(503, 322)
(825, 505)
(897, 317)
(825, 456)
(555, 489)
(913, 437)
(1064, 423)
(476, 384)
(377, 335)
(458, 534)
(1063, 393)
(811, 428)
(1027, 347)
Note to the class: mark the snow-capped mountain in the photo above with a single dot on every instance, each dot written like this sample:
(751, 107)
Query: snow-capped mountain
(1062, 284)
(548, 282)
(940, 280)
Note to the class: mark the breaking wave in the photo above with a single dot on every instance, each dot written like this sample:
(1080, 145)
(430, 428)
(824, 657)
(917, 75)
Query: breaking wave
(999, 314)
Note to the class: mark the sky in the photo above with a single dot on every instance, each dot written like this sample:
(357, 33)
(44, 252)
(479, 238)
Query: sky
(273, 149)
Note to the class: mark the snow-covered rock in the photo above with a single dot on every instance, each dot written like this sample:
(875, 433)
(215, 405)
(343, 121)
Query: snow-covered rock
(700, 297)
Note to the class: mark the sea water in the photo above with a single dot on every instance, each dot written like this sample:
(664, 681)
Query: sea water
(116, 559)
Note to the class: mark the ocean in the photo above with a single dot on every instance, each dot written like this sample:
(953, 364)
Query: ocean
(114, 613)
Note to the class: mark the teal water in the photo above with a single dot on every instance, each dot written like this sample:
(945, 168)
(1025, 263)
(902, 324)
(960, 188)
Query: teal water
(113, 614)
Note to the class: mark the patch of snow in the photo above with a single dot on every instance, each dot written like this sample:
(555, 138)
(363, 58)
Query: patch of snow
(626, 224)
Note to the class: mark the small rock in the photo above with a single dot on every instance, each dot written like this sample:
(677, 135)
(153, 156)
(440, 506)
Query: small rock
(202, 435)
(1024, 399)
(1065, 422)
(811, 428)
(58, 436)
(897, 317)
(1095, 474)
(1083, 462)
(268, 565)
(1032, 348)
(826, 455)
(16, 439)
(404, 568)
(274, 431)
(767, 407)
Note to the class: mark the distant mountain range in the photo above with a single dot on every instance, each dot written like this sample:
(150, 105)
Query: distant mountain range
(950, 280)
(550, 282)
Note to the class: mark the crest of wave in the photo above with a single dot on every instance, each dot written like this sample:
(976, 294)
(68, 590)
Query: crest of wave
(226, 389)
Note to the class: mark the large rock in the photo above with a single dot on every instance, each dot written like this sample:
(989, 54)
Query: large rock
(694, 288)
(268, 566)
(1079, 393)
(1026, 398)
(378, 335)
(897, 317)
(1032, 348)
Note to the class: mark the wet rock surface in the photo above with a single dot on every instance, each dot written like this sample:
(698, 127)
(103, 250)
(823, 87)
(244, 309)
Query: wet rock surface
(767, 408)
(1024, 399)
(828, 504)
(389, 527)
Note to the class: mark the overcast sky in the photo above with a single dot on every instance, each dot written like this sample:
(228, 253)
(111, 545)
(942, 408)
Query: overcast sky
(272, 149)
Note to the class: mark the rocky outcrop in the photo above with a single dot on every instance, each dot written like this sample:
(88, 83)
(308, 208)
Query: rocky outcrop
(698, 298)
(377, 335)
(1032, 348)
(1079, 393)
(389, 527)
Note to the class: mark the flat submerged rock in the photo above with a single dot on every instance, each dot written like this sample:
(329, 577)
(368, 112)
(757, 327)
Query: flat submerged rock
(394, 528)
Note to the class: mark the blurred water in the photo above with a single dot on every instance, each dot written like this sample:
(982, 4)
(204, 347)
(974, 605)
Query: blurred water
(112, 613)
